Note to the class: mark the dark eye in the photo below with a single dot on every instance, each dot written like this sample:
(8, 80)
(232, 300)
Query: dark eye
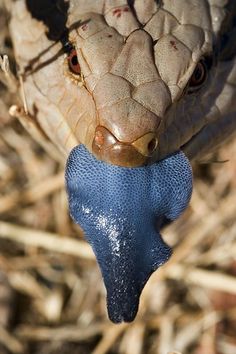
(199, 76)
(74, 63)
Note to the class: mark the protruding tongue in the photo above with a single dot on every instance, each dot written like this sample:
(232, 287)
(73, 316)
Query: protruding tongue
(126, 261)
(120, 210)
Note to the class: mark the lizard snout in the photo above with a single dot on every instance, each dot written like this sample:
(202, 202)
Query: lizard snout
(139, 152)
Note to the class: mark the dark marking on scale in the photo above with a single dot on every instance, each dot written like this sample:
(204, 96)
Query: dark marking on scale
(173, 43)
(116, 12)
(84, 27)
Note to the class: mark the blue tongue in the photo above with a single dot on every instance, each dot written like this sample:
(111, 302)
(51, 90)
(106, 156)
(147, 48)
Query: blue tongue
(121, 211)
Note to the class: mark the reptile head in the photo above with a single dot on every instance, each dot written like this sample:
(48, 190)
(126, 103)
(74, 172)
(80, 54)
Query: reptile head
(122, 201)
(125, 70)
(119, 91)
(121, 211)
(117, 191)
(121, 84)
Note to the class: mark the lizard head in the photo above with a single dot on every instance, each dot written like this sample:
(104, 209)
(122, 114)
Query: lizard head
(119, 94)
(117, 192)
(135, 76)
(122, 85)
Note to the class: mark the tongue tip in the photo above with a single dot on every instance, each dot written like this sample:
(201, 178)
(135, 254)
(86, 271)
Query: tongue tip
(117, 314)
(119, 318)
(123, 303)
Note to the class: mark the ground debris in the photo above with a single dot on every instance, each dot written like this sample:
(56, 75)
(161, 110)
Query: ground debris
(52, 299)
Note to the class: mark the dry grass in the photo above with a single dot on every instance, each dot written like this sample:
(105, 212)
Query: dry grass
(52, 299)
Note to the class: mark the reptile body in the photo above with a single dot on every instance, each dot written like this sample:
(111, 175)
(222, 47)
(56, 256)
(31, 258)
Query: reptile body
(130, 83)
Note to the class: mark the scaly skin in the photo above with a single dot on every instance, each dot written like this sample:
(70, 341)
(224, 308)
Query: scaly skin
(132, 104)
(136, 62)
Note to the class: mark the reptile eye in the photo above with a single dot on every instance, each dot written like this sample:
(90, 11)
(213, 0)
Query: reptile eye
(199, 75)
(74, 63)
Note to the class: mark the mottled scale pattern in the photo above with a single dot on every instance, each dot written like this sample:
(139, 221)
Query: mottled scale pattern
(135, 56)
(121, 211)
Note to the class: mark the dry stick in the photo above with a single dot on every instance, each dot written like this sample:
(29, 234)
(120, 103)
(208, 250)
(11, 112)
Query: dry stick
(22, 263)
(226, 345)
(10, 80)
(33, 194)
(166, 332)
(133, 339)
(23, 96)
(192, 331)
(27, 284)
(226, 211)
(223, 252)
(10, 342)
(46, 240)
(219, 254)
(67, 333)
(32, 127)
(110, 335)
(208, 279)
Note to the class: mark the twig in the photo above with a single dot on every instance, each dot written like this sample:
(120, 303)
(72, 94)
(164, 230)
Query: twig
(10, 342)
(192, 331)
(208, 279)
(109, 338)
(33, 194)
(46, 240)
(23, 96)
(36, 131)
(133, 339)
(67, 333)
(10, 80)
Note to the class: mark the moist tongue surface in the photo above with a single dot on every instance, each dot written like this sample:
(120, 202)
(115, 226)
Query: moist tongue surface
(121, 210)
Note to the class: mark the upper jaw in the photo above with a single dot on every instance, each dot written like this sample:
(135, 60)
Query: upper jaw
(108, 148)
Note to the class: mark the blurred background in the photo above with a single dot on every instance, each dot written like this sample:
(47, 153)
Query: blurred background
(52, 299)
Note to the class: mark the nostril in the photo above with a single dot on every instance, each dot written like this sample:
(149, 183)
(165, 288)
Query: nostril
(152, 145)
(146, 144)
